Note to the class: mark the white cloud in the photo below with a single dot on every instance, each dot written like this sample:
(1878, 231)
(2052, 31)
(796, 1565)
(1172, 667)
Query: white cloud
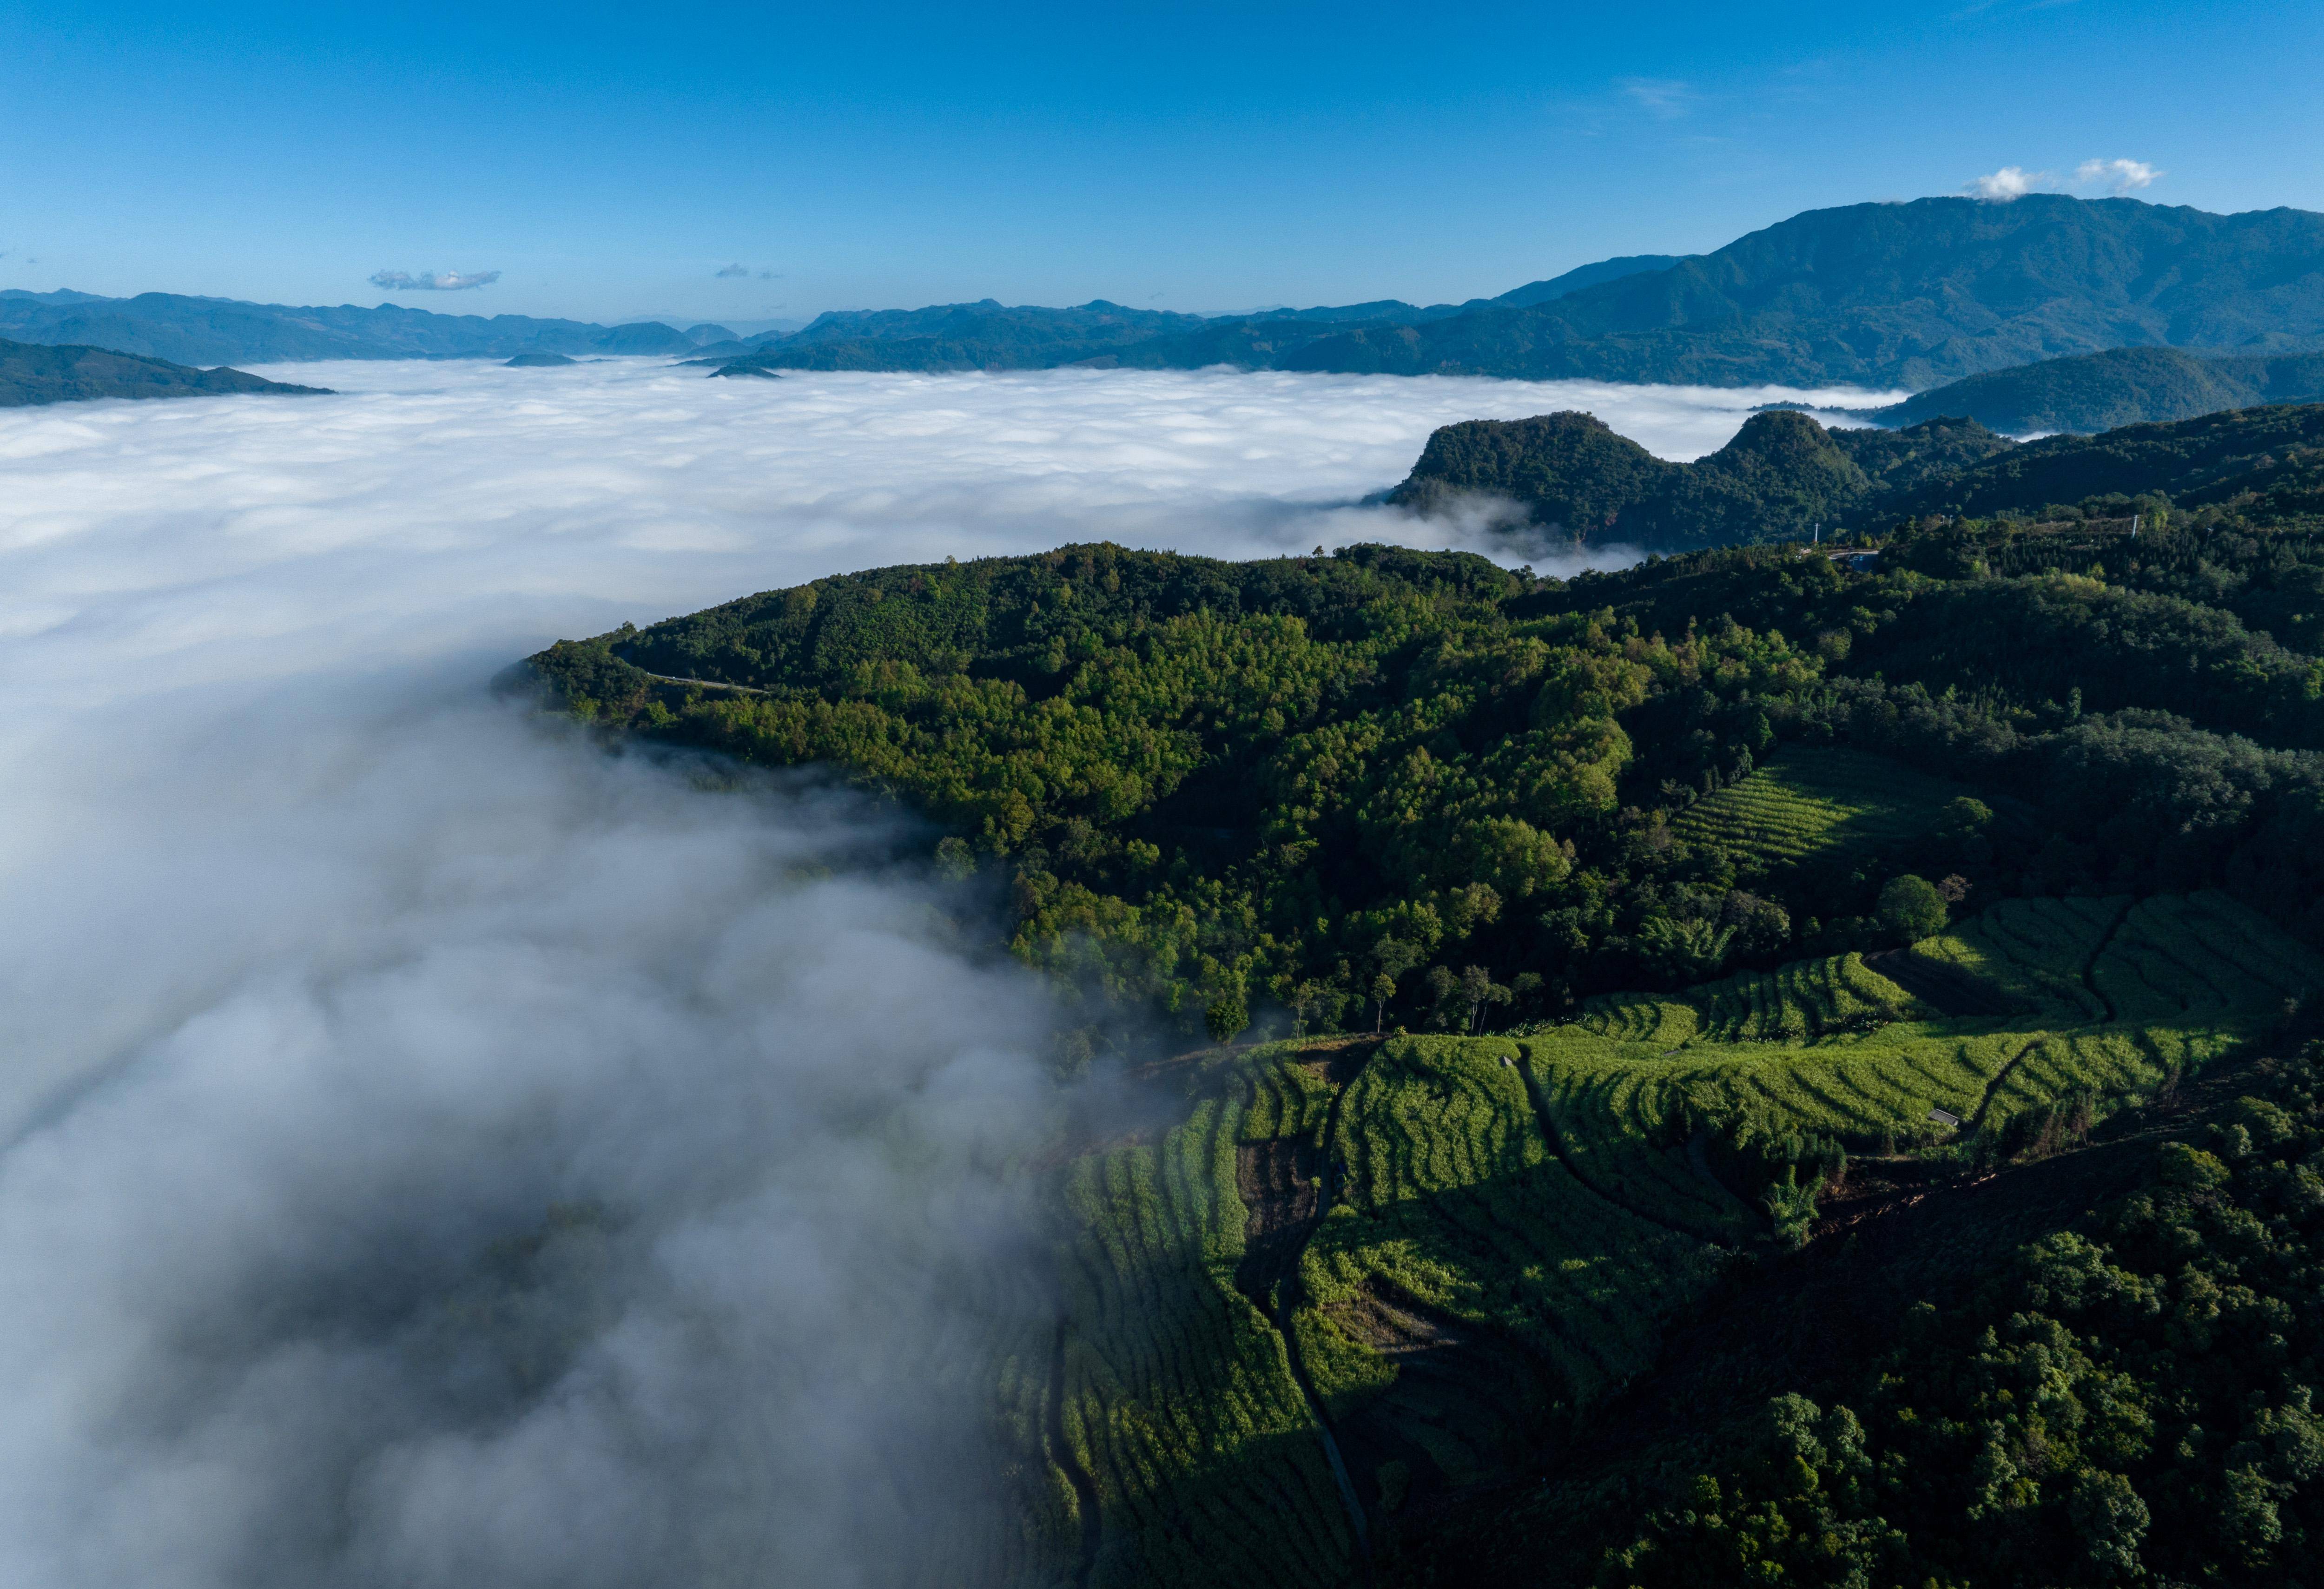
(433, 280)
(1665, 99)
(320, 973)
(2010, 183)
(2116, 176)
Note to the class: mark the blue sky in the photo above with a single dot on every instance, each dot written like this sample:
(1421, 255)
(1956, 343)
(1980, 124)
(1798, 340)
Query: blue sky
(609, 161)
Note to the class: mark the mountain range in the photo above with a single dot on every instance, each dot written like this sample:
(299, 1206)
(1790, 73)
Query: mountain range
(1910, 295)
(224, 330)
(1915, 295)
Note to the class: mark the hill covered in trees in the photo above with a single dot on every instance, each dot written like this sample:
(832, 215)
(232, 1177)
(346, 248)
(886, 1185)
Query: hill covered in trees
(2123, 386)
(1784, 474)
(32, 374)
(1906, 295)
(1786, 1069)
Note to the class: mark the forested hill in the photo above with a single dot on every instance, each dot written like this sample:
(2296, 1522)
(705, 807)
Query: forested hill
(1784, 474)
(1881, 294)
(30, 374)
(2124, 386)
(1787, 1070)
(220, 330)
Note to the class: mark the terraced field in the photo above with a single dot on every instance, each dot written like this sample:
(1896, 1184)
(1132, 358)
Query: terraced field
(1180, 1403)
(2112, 998)
(1811, 802)
(1466, 1288)
(1358, 1273)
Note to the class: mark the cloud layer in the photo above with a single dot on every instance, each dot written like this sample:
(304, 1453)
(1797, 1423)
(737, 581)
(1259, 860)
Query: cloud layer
(433, 1151)
(433, 280)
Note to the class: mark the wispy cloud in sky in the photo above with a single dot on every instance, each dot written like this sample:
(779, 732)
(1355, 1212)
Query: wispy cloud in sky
(433, 280)
(1665, 99)
(2010, 183)
(732, 270)
(2116, 176)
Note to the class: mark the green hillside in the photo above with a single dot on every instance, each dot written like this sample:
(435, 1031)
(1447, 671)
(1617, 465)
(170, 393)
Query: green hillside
(1756, 1048)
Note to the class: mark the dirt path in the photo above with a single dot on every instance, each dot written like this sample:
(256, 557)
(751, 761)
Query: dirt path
(705, 683)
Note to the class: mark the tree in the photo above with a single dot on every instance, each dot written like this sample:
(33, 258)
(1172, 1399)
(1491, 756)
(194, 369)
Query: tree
(1394, 957)
(1226, 1017)
(1443, 996)
(1911, 907)
(1478, 989)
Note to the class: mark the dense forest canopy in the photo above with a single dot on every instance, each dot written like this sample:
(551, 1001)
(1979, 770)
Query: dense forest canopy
(1205, 781)
(1795, 1050)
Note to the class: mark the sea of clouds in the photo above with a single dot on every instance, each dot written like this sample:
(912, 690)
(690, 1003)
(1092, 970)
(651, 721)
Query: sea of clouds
(436, 1151)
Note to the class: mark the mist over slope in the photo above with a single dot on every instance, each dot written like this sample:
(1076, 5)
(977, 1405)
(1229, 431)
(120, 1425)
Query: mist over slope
(435, 1153)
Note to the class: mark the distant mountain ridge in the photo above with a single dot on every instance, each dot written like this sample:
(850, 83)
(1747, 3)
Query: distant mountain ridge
(31, 375)
(223, 330)
(988, 335)
(1909, 295)
(1913, 294)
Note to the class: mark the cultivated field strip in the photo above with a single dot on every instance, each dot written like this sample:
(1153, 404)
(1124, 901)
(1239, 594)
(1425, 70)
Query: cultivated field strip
(1456, 1214)
(1472, 1237)
(2119, 996)
(1813, 801)
(1180, 1402)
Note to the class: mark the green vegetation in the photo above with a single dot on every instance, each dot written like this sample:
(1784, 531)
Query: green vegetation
(1180, 1404)
(1781, 477)
(1684, 966)
(2131, 1402)
(1466, 1287)
(1784, 474)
